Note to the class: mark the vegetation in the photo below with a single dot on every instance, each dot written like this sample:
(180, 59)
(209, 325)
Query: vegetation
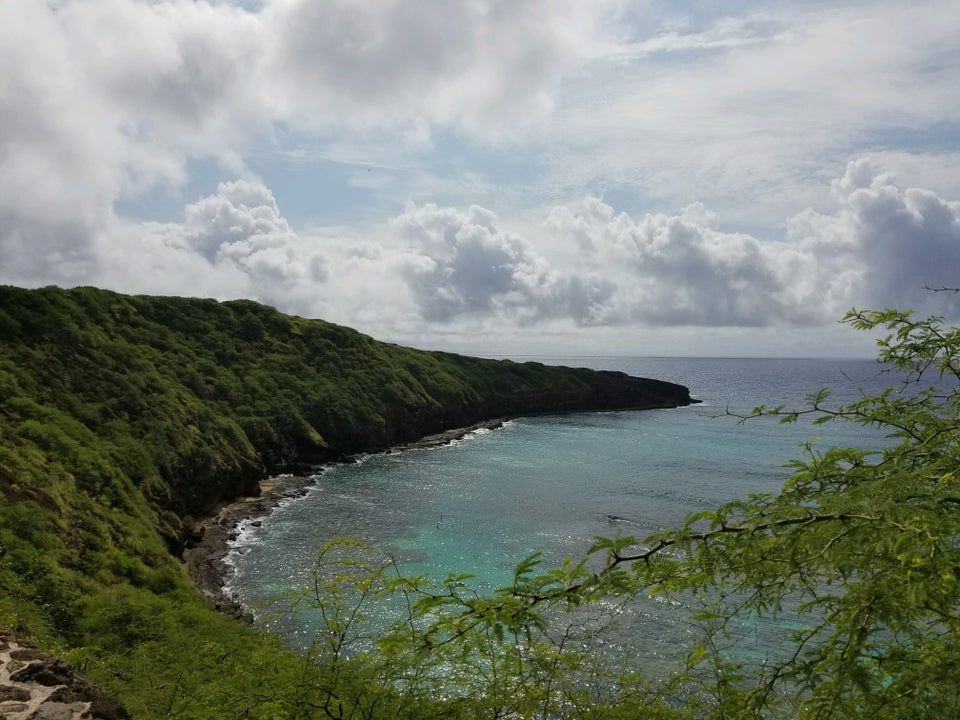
(122, 417)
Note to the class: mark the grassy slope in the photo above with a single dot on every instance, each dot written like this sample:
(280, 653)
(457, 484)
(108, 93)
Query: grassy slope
(123, 418)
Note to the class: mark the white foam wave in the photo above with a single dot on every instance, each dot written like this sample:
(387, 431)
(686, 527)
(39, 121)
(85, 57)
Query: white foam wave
(246, 535)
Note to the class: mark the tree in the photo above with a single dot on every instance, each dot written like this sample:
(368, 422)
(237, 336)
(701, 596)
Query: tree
(860, 550)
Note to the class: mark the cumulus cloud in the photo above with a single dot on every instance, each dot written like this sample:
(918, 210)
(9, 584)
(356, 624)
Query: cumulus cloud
(240, 214)
(462, 265)
(447, 267)
(102, 102)
(880, 247)
(894, 242)
(235, 243)
(679, 269)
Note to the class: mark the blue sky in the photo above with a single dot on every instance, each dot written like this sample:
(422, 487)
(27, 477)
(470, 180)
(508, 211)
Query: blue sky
(491, 176)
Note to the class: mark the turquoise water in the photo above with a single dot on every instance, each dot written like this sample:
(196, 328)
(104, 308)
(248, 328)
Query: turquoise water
(551, 484)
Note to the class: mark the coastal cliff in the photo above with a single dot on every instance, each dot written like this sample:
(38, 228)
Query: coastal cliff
(125, 419)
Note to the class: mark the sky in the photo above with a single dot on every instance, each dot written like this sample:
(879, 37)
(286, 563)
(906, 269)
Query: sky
(496, 177)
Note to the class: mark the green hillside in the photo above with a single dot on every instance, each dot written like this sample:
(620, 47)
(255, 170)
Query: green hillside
(125, 419)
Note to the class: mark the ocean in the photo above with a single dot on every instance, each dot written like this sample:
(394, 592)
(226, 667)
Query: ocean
(551, 484)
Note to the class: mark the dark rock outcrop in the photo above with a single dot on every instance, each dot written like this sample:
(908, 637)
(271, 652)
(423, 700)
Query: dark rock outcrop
(34, 685)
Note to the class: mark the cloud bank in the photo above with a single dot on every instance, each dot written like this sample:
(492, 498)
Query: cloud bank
(614, 108)
(462, 268)
(102, 102)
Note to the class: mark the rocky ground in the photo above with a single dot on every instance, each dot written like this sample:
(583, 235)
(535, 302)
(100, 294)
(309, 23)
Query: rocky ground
(204, 555)
(34, 685)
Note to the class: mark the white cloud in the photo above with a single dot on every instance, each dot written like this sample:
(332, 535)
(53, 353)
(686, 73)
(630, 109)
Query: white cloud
(435, 266)
(486, 66)
(893, 241)
(749, 114)
(738, 120)
(463, 266)
(879, 247)
(232, 244)
(108, 100)
(241, 218)
(101, 101)
(683, 270)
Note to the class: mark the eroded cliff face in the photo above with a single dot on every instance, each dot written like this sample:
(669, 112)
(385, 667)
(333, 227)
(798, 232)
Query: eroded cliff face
(600, 391)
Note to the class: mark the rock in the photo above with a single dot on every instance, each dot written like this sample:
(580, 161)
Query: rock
(57, 711)
(11, 693)
(102, 707)
(27, 654)
(69, 694)
(52, 672)
(106, 708)
(64, 695)
(12, 707)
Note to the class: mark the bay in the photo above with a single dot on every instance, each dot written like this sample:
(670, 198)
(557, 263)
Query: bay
(551, 484)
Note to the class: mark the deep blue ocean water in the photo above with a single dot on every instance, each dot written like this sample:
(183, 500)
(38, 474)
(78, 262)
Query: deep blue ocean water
(552, 483)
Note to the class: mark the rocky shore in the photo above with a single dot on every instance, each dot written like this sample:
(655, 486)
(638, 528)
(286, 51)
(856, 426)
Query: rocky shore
(205, 555)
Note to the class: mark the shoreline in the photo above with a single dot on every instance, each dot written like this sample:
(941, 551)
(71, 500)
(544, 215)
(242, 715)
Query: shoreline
(205, 556)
